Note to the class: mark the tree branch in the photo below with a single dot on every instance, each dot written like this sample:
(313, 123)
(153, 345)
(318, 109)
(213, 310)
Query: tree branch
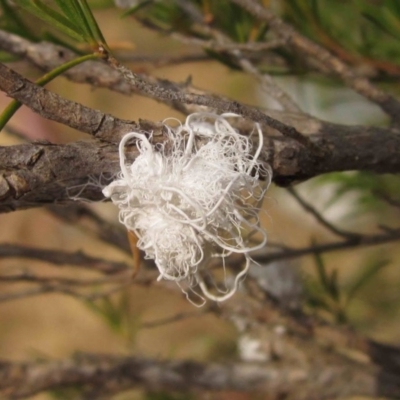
(319, 217)
(54, 107)
(328, 378)
(325, 60)
(350, 242)
(81, 216)
(36, 174)
(32, 175)
(62, 258)
(47, 56)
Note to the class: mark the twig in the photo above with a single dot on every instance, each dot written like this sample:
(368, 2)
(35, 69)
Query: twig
(48, 56)
(320, 218)
(218, 104)
(54, 107)
(175, 318)
(351, 242)
(84, 217)
(61, 258)
(267, 83)
(29, 277)
(64, 286)
(326, 60)
(37, 174)
(224, 45)
(158, 61)
(387, 199)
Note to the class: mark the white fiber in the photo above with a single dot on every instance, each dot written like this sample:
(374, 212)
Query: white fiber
(193, 198)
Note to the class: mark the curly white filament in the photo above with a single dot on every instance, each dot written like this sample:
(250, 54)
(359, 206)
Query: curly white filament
(194, 197)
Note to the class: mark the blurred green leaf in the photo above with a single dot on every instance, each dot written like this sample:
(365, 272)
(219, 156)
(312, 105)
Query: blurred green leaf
(12, 22)
(366, 275)
(113, 313)
(7, 57)
(52, 17)
(136, 8)
(233, 20)
(351, 29)
(66, 393)
(369, 192)
(321, 270)
(167, 396)
(73, 18)
(94, 32)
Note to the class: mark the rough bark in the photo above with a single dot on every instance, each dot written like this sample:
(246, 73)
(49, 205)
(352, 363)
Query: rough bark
(42, 173)
(101, 374)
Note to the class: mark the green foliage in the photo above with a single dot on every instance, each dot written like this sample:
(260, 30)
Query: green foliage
(65, 393)
(116, 314)
(184, 17)
(74, 18)
(325, 293)
(181, 16)
(12, 22)
(364, 276)
(356, 30)
(167, 396)
(386, 16)
(112, 312)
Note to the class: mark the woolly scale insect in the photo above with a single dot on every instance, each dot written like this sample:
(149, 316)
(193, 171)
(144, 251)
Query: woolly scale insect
(193, 198)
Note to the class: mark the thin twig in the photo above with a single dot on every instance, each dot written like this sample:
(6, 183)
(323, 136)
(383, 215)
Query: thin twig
(351, 242)
(157, 61)
(218, 104)
(224, 45)
(61, 258)
(62, 286)
(175, 318)
(267, 83)
(325, 59)
(319, 217)
(85, 218)
(387, 199)
(29, 277)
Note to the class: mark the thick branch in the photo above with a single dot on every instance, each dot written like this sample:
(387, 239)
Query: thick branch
(54, 107)
(36, 174)
(329, 378)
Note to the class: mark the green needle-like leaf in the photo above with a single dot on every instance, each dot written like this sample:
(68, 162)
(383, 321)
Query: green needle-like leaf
(365, 277)
(136, 8)
(52, 17)
(13, 22)
(72, 12)
(91, 23)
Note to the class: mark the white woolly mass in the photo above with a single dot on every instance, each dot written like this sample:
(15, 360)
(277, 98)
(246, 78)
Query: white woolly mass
(192, 198)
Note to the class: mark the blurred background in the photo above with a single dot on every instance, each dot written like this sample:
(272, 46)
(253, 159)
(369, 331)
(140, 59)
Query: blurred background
(56, 326)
